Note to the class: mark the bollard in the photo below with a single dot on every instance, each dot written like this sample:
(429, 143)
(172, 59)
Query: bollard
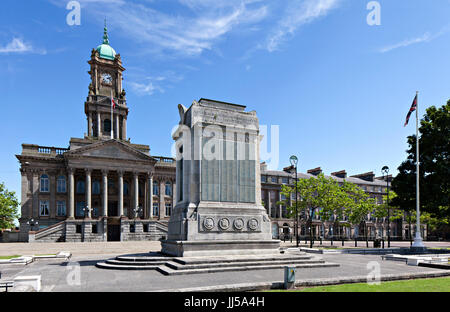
(289, 277)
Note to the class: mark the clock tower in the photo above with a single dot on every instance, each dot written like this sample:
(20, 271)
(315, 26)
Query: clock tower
(105, 120)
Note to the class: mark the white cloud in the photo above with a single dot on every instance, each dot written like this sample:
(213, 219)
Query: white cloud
(186, 32)
(16, 46)
(145, 88)
(427, 37)
(298, 13)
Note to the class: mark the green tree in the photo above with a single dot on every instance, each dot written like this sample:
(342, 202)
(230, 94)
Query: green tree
(434, 168)
(9, 206)
(331, 200)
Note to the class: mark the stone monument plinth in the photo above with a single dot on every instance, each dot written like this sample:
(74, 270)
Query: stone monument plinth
(218, 208)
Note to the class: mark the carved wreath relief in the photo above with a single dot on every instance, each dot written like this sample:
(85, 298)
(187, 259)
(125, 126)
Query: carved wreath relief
(238, 224)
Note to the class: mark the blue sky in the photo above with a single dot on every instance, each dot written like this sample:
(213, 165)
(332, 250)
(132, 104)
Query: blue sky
(338, 89)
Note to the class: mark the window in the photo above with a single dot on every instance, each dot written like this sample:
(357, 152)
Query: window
(285, 180)
(80, 187)
(80, 209)
(155, 209)
(94, 228)
(145, 228)
(61, 184)
(264, 179)
(44, 183)
(126, 188)
(274, 180)
(168, 209)
(283, 197)
(168, 188)
(107, 125)
(96, 187)
(78, 228)
(44, 210)
(132, 228)
(61, 208)
(155, 188)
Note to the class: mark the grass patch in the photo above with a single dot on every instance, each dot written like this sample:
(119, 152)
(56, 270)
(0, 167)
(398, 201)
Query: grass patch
(440, 284)
(8, 257)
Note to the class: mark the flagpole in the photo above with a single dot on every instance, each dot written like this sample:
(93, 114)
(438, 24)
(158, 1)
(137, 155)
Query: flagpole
(418, 243)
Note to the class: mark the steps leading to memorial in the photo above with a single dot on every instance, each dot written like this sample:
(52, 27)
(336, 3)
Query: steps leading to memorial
(198, 265)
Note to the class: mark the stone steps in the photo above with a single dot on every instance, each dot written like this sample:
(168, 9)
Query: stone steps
(177, 266)
(198, 265)
(104, 265)
(169, 271)
(136, 263)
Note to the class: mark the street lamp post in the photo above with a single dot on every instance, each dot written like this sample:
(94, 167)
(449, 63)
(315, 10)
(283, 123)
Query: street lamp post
(32, 223)
(294, 161)
(385, 171)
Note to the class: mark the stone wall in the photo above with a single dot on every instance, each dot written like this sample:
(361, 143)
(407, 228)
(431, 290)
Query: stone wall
(139, 230)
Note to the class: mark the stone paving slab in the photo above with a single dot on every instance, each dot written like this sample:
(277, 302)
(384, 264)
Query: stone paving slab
(59, 275)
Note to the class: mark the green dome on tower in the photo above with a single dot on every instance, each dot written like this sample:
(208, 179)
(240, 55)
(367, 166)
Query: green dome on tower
(105, 50)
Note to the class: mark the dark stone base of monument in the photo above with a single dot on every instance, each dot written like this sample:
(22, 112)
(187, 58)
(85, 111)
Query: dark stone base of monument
(418, 249)
(220, 248)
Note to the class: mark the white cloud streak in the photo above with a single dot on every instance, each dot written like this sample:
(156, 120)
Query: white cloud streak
(427, 37)
(298, 13)
(187, 32)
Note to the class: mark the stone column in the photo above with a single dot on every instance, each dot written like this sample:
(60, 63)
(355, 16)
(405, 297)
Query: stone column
(136, 192)
(52, 189)
(71, 214)
(162, 206)
(35, 202)
(89, 132)
(105, 192)
(88, 192)
(280, 207)
(99, 125)
(117, 126)
(150, 192)
(120, 189)
(124, 128)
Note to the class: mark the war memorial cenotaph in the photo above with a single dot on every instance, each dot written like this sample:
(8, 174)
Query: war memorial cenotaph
(218, 210)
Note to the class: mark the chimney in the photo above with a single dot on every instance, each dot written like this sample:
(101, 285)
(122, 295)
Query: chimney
(368, 176)
(315, 171)
(290, 169)
(340, 174)
(263, 166)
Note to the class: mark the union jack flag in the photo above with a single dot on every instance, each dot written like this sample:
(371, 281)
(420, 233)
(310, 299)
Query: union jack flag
(411, 110)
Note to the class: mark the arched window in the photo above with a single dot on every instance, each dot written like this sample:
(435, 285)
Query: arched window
(126, 188)
(80, 187)
(61, 184)
(107, 125)
(44, 183)
(168, 188)
(96, 187)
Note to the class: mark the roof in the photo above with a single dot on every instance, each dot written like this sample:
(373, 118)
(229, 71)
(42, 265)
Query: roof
(300, 175)
(105, 50)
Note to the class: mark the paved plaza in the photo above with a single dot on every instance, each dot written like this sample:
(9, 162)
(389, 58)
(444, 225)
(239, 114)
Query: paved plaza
(80, 274)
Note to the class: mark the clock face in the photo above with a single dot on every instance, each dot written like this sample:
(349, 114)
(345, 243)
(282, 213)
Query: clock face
(106, 78)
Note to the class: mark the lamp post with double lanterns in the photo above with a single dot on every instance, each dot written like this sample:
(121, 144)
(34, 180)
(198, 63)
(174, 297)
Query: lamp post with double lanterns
(385, 171)
(294, 161)
(32, 223)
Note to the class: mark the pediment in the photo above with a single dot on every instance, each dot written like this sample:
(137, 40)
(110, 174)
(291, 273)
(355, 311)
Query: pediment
(111, 149)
